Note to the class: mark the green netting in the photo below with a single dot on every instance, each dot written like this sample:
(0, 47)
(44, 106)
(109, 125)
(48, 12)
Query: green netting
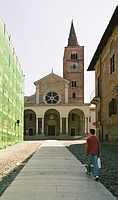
(11, 91)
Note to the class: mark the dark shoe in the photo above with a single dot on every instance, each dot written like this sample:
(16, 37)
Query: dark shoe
(97, 178)
(88, 173)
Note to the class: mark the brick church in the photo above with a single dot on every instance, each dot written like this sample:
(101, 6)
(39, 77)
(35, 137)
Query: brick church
(57, 109)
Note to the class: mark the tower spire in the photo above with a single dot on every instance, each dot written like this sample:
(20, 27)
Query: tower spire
(72, 40)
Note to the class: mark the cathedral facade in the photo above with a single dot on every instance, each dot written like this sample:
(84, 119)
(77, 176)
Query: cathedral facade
(57, 109)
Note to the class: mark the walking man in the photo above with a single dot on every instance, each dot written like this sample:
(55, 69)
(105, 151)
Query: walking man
(92, 153)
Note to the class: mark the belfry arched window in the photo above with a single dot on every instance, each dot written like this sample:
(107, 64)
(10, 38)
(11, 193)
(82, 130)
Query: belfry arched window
(73, 56)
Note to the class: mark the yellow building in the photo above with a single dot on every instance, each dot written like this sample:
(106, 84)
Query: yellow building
(105, 64)
(57, 109)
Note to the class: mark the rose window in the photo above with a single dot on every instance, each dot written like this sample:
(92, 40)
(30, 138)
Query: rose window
(52, 98)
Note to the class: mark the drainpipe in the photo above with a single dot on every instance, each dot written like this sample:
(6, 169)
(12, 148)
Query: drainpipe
(101, 124)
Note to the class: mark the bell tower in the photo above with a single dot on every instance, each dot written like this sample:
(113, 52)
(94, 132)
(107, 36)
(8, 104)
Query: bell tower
(73, 68)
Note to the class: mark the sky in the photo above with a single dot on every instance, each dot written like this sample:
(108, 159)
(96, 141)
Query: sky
(40, 29)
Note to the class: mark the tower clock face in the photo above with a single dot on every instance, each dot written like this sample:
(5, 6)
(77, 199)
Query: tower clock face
(52, 98)
(74, 66)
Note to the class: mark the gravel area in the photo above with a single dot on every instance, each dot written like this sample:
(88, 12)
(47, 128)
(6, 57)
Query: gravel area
(109, 158)
(12, 160)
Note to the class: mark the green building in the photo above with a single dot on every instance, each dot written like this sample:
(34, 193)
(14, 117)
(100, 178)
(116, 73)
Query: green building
(11, 91)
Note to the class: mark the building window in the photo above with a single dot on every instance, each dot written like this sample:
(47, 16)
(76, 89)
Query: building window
(112, 46)
(74, 95)
(90, 119)
(112, 64)
(112, 107)
(52, 98)
(73, 56)
(74, 84)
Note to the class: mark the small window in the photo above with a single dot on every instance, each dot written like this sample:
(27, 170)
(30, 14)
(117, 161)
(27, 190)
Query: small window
(74, 84)
(90, 119)
(112, 64)
(112, 46)
(73, 56)
(112, 107)
(74, 95)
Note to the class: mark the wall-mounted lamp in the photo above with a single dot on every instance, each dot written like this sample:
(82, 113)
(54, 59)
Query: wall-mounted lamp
(17, 122)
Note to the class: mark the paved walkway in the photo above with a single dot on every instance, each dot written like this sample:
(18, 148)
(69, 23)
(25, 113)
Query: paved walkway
(53, 173)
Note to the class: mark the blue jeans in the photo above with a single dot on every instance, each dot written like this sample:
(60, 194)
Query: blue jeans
(92, 159)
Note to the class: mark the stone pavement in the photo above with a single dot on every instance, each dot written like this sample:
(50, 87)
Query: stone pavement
(53, 173)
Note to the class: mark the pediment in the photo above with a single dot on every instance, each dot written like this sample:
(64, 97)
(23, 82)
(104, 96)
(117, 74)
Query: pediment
(51, 78)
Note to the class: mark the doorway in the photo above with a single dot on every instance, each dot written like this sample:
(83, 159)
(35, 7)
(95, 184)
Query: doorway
(30, 131)
(51, 130)
(72, 131)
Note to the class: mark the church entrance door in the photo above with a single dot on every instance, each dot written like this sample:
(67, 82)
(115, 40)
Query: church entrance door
(51, 130)
(72, 131)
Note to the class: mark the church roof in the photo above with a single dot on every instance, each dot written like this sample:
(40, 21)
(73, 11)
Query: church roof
(112, 24)
(72, 40)
(53, 76)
